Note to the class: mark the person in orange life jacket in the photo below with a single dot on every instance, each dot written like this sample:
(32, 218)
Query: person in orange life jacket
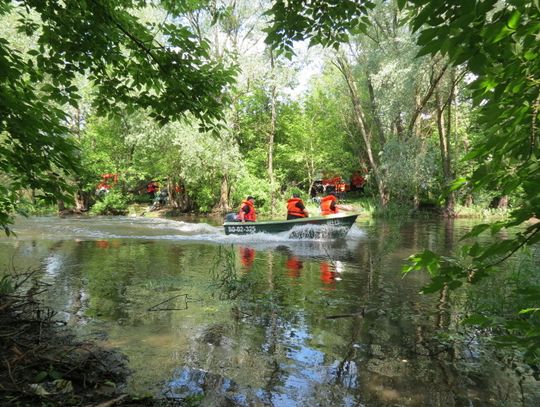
(151, 189)
(329, 205)
(247, 210)
(296, 208)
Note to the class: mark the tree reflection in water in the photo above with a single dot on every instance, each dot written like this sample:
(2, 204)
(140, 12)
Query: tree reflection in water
(311, 323)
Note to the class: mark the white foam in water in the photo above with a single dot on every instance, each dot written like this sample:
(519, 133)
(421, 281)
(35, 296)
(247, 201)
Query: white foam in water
(124, 227)
(318, 232)
(356, 233)
(184, 227)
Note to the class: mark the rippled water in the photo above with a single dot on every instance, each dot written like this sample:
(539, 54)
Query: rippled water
(264, 319)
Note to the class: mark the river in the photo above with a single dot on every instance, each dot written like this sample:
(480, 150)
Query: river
(267, 320)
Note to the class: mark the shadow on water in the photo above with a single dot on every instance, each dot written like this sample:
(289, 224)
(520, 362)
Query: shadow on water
(268, 320)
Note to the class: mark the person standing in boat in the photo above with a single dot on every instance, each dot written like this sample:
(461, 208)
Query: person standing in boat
(329, 205)
(296, 208)
(247, 210)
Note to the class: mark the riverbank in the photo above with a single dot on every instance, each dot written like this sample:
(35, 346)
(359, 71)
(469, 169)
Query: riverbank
(44, 364)
(366, 207)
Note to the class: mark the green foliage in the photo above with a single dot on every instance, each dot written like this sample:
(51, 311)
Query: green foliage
(6, 285)
(38, 207)
(480, 211)
(392, 210)
(499, 46)
(328, 23)
(51, 374)
(8, 201)
(127, 62)
(257, 187)
(35, 151)
(112, 203)
(410, 168)
(138, 150)
(511, 311)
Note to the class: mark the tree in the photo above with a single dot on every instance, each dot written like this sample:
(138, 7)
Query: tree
(390, 91)
(130, 64)
(501, 51)
(497, 43)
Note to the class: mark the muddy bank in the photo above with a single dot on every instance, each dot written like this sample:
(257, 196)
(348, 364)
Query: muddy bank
(42, 363)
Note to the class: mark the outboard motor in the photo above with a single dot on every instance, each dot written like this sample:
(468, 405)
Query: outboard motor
(231, 217)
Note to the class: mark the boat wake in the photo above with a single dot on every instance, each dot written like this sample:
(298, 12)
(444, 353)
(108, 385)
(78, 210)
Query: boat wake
(166, 229)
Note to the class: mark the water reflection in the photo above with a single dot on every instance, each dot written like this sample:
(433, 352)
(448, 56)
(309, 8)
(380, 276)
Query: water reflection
(294, 266)
(263, 320)
(247, 256)
(328, 275)
(108, 244)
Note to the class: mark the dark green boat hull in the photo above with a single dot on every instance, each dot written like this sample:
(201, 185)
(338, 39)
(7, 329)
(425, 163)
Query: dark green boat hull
(333, 226)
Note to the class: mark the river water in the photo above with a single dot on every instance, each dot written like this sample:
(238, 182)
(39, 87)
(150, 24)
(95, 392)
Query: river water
(267, 320)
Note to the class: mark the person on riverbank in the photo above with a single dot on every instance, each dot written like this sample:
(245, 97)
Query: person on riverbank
(330, 206)
(296, 208)
(247, 210)
(151, 189)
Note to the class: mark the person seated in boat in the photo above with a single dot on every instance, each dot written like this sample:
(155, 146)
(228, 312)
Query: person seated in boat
(247, 210)
(330, 206)
(296, 208)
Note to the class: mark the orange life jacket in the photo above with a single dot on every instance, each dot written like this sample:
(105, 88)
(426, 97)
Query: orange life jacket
(294, 210)
(325, 205)
(250, 216)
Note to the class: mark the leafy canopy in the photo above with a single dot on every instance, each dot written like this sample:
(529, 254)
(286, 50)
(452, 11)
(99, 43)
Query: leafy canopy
(324, 22)
(161, 67)
(497, 41)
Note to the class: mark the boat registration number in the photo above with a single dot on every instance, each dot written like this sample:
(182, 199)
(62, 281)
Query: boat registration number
(242, 229)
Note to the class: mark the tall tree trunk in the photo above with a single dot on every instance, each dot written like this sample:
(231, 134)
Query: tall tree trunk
(360, 120)
(271, 136)
(223, 204)
(373, 111)
(444, 128)
(61, 206)
(81, 201)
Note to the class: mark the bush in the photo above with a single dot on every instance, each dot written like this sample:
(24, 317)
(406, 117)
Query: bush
(257, 187)
(141, 199)
(112, 203)
(392, 210)
(39, 207)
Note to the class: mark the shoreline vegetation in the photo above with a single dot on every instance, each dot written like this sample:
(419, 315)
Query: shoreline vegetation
(122, 96)
(43, 363)
(366, 207)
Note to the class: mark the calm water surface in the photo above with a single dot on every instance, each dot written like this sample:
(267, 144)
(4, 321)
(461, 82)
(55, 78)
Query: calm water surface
(265, 320)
